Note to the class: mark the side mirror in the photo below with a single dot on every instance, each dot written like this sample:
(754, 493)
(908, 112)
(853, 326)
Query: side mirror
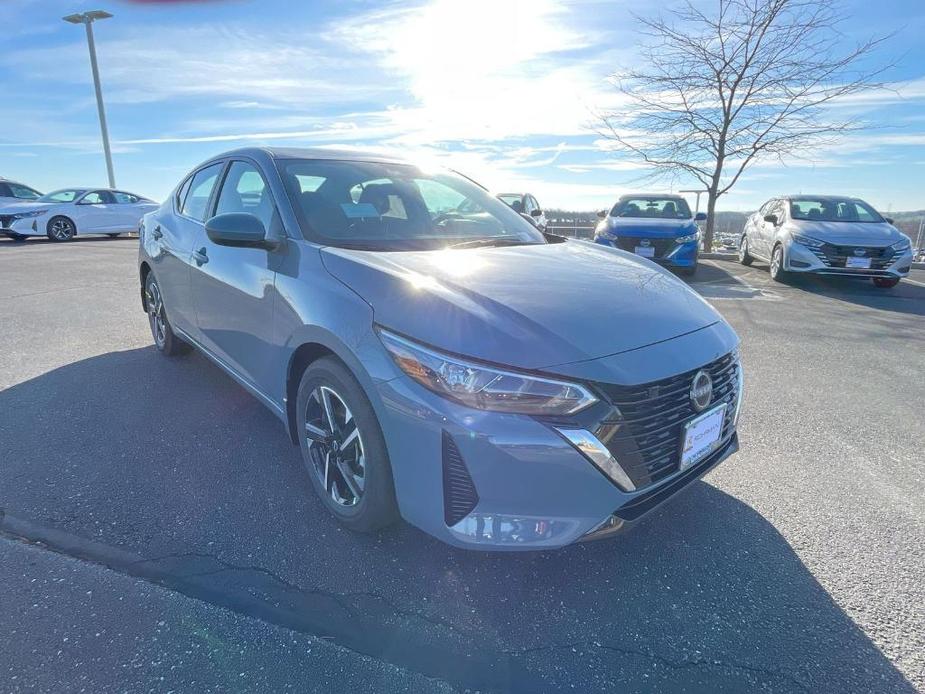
(601, 214)
(889, 220)
(771, 218)
(536, 213)
(529, 219)
(700, 217)
(238, 229)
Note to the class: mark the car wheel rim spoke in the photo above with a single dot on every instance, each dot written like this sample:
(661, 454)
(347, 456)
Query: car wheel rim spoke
(335, 446)
(156, 314)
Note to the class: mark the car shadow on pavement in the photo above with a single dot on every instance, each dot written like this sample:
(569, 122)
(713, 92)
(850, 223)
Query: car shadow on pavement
(172, 461)
(906, 298)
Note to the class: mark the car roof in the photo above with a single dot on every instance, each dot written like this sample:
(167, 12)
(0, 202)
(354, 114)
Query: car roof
(341, 154)
(804, 196)
(652, 196)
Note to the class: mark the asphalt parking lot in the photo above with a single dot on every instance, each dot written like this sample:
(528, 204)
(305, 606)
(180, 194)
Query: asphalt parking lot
(190, 553)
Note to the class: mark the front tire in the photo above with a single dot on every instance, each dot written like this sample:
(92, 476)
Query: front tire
(744, 257)
(688, 271)
(60, 229)
(343, 448)
(165, 340)
(885, 282)
(777, 272)
(113, 236)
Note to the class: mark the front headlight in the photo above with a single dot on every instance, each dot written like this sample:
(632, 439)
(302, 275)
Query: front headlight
(690, 237)
(806, 241)
(485, 387)
(903, 245)
(27, 215)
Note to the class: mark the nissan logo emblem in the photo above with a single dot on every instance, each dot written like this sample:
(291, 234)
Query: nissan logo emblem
(701, 390)
(859, 252)
(645, 242)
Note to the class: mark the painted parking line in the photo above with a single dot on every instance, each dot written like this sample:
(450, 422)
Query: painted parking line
(732, 286)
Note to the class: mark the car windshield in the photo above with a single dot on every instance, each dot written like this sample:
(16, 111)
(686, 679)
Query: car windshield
(68, 195)
(833, 210)
(657, 208)
(392, 207)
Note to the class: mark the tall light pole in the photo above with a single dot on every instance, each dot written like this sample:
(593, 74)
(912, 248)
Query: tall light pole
(87, 19)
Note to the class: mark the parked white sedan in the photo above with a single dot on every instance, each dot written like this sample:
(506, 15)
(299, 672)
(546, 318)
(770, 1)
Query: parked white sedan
(63, 214)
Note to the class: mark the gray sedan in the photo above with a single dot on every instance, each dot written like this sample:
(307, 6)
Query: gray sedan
(826, 235)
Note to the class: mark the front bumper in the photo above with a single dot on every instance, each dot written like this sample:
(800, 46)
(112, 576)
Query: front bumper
(802, 259)
(494, 481)
(667, 252)
(27, 226)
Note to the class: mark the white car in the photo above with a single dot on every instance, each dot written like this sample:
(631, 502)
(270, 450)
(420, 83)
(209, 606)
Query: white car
(63, 214)
(525, 204)
(11, 191)
(826, 235)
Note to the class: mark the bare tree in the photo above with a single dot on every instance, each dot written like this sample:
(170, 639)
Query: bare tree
(720, 91)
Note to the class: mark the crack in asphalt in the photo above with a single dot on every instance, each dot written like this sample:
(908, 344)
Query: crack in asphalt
(287, 585)
(663, 660)
(445, 652)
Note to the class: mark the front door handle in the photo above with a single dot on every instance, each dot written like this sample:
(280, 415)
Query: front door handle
(156, 233)
(200, 257)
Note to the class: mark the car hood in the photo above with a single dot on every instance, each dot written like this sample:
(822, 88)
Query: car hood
(533, 306)
(14, 208)
(849, 233)
(647, 228)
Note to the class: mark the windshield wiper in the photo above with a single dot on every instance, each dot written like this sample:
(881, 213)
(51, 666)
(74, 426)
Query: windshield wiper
(491, 241)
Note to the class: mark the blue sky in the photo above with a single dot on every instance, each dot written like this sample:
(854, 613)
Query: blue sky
(504, 91)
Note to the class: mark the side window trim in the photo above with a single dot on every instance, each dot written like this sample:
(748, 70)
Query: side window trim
(182, 192)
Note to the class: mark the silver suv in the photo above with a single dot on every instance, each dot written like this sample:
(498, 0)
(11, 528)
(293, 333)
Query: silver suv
(826, 235)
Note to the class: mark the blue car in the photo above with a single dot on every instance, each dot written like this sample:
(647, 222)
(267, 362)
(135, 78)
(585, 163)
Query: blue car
(432, 354)
(661, 228)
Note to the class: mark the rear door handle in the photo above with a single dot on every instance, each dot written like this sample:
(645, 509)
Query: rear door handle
(200, 257)
(156, 232)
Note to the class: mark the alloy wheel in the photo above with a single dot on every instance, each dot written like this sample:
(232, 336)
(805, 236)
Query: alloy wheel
(62, 229)
(156, 314)
(335, 446)
(776, 260)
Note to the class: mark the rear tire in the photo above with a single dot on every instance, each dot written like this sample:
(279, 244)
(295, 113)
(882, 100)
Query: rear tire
(165, 340)
(777, 272)
(19, 238)
(113, 236)
(744, 257)
(885, 282)
(60, 229)
(688, 271)
(347, 461)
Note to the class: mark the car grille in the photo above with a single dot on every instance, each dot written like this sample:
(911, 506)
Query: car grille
(662, 246)
(5, 221)
(646, 439)
(835, 256)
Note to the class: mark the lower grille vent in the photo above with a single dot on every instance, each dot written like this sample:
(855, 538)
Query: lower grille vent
(459, 495)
